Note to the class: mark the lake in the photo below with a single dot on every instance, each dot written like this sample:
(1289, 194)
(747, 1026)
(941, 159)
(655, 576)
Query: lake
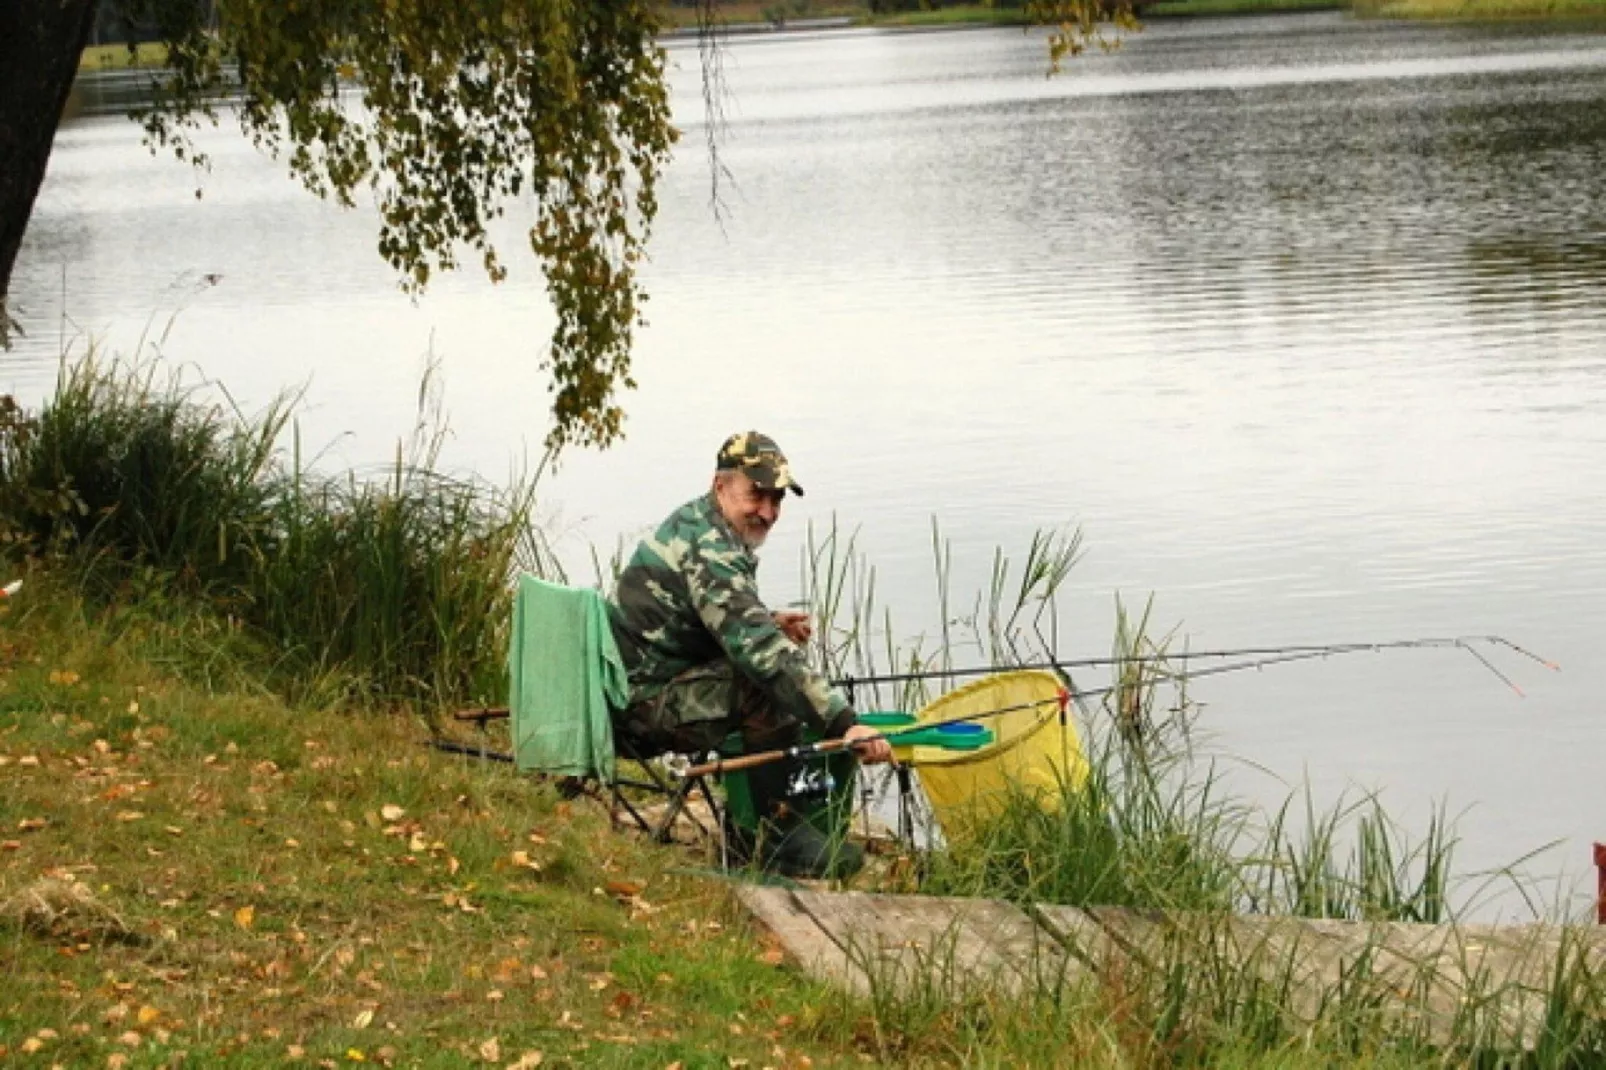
(1302, 319)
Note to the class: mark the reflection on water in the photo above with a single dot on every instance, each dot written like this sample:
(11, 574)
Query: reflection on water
(1303, 319)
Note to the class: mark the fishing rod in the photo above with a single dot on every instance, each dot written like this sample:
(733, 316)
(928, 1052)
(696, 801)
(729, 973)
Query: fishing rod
(831, 746)
(1268, 655)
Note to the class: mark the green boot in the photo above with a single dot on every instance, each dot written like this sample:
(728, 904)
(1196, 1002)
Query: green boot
(788, 843)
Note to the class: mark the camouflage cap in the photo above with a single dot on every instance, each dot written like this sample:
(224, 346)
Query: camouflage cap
(759, 458)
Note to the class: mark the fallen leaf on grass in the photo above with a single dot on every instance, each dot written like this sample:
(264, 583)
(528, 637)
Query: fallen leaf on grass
(31, 1045)
(523, 859)
(64, 677)
(11, 845)
(116, 1061)
(294, 1051)
(147, 1014)
(129, 815)
(625, 889)
(245, 917)
(29, 761)
(32, 824)
(392, 812)
(773, 957)
(363, 1020)
(355, 1055)
(528, 1061)
(131, 1039)
(491, 1051)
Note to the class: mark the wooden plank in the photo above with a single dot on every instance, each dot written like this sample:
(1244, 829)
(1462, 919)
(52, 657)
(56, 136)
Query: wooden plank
(1427, 980)
(952, 946)
(809, 945)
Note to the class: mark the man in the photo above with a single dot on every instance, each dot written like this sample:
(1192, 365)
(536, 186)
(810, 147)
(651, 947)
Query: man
(706, 658)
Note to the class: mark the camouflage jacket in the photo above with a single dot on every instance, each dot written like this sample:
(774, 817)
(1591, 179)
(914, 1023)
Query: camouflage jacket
(689, 596)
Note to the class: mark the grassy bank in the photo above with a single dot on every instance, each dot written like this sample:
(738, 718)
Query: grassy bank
(1484, 10)
(210, 873)
(121, 57)
(146, 487)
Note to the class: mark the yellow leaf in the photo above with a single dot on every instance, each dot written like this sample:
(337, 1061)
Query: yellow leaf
(363, 1020)
(147, 1015)
(116, 1061)
(528, 1061)
(31, 1045)
(129, 815)
(355, 1055)
(245, 917)
(491, 1051)
(31, 824)
(392, 812)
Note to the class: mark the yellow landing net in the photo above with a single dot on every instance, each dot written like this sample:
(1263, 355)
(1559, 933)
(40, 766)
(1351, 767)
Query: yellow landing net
(1032, 750)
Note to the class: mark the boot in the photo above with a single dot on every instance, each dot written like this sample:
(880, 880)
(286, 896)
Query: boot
(788, 843)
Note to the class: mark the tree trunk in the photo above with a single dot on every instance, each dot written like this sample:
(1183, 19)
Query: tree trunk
(40, 43)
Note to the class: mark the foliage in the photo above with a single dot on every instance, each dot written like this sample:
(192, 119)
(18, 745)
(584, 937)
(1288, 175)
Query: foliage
(151, 489)
(450, 114)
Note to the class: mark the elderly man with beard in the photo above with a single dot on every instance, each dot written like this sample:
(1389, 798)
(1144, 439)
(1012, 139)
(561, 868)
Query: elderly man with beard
(705, 657)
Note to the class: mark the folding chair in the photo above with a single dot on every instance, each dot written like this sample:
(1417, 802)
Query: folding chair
(676, 791)
(565, 680)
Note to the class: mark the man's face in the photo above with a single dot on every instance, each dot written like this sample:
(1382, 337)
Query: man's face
(748, 509)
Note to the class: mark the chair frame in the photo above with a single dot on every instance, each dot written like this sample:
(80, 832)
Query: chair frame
(676, 791)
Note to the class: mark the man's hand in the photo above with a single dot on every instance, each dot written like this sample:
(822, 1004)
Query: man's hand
(795, 626)
(874, 749)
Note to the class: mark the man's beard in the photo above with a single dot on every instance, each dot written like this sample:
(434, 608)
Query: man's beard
(753, 534)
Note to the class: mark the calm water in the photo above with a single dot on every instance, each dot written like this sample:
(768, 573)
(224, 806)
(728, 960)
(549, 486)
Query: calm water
(1303, 320)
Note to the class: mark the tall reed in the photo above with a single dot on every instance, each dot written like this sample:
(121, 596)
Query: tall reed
(147, 486)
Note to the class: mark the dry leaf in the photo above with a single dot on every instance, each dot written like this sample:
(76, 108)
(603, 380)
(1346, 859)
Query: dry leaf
(116, 1061)
(392, 812)
(418, 845)
(537, 973)
(10, 845)
(528, 1061)
(32, 824)
(131, 1038)
(491, 1051)
(363, 1020)
(147, 1014)
(676, 1065)
(129, 815)
(245, 917)
(773, 957)
(31, 1045)
(355, 1055)
(294, 1051)
(28, 761)
(625, 889)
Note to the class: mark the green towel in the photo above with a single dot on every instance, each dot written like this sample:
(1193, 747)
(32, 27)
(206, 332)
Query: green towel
(566, 671)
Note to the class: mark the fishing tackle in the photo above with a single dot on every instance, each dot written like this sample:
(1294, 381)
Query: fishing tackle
(1256, 658)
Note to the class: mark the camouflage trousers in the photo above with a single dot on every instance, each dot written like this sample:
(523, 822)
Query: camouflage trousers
(700, 708)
